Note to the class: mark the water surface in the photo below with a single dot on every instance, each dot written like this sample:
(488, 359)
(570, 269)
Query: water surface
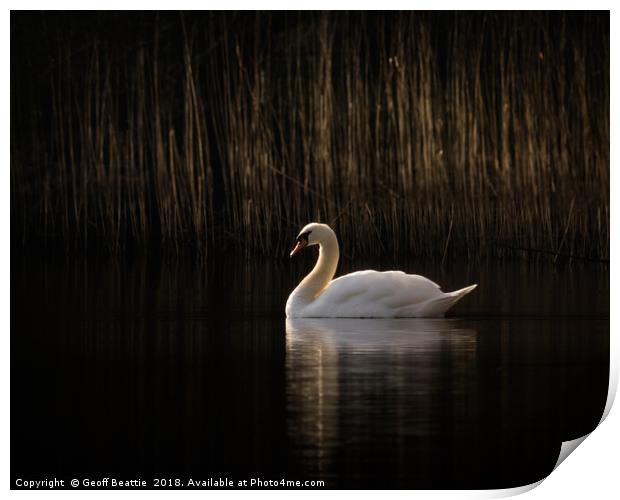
(173, 368)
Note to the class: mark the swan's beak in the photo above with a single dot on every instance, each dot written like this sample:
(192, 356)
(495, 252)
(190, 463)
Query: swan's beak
(301, 244)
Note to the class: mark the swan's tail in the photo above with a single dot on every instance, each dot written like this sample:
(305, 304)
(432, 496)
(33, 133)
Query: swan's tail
(436, 308)
(463, 291)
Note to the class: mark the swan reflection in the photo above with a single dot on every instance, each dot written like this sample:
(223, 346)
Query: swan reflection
(383, 377)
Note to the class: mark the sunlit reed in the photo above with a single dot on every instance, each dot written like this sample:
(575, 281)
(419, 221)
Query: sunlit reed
(419, 133)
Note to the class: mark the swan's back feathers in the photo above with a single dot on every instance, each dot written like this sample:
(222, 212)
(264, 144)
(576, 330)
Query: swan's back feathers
(365, 294)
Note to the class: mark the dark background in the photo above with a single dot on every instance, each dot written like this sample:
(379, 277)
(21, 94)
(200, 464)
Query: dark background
(420, 133)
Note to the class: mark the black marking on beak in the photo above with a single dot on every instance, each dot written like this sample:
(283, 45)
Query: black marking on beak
(302, 242)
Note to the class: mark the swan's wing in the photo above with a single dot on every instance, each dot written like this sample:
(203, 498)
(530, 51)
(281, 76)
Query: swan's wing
(373, 293)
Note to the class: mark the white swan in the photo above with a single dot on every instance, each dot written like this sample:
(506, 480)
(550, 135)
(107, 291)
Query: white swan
(363, 294)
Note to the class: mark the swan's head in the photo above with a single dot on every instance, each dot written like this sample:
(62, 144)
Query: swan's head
(312, 234)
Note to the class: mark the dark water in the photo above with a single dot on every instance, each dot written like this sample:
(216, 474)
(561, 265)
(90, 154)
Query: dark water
(171, 369)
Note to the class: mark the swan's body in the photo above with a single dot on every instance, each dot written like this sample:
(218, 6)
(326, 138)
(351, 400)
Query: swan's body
(363, 294)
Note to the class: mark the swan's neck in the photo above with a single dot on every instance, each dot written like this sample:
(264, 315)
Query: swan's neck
(323, 272)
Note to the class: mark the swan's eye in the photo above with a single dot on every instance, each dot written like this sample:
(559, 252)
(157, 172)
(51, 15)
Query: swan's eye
(304, 236)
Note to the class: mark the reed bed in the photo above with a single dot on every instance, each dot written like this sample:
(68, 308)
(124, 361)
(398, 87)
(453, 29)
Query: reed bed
(411, 133)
